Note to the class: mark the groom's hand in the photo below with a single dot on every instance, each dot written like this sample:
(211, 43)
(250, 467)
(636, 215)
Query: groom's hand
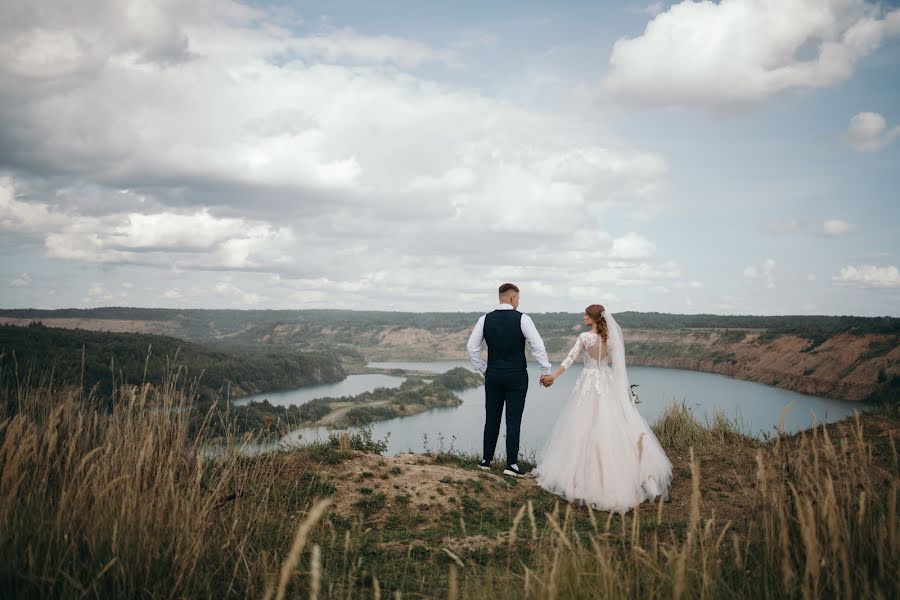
(546, 380)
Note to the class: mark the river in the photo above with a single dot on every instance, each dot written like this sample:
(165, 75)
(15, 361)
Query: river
(757, 408)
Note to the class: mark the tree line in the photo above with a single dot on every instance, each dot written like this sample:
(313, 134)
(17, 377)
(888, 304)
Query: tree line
(39, 355)
(208, 324)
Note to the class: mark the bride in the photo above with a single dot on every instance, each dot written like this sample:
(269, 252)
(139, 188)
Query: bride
(601, 451)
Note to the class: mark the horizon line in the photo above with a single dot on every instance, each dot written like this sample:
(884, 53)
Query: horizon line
(460, 312)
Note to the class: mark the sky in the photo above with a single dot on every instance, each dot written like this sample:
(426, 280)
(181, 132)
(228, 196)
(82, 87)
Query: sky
(732, 157)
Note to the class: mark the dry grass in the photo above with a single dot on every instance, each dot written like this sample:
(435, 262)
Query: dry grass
(122, 503)
(823, 523)
(678, 429)
(129, 503)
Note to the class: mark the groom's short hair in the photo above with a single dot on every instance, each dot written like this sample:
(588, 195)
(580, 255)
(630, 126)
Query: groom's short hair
(507, 288)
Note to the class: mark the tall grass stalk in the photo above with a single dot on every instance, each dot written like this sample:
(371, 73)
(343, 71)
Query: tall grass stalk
(124, 502)
(823, 525)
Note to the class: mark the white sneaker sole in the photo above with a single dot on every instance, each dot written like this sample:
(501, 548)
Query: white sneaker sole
(512, 473)
(483, 468)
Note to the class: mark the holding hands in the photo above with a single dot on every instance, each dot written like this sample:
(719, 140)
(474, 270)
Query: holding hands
(548, 379)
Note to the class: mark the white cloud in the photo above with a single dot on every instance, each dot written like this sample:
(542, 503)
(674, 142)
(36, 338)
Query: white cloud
(837, 227)
(632, 246)
(736, 53)
(226, 288)
(625, 274)
(827, 228)
(689, 284)
(869, 276)
(23, 280)
(189, 240)
(868, 132)
(257, 149)
(22, 216)
(201, 241)
(244, 115)
(347, 45)
(764, 272)
(45, 40)
(213, 139)
(221, 243)
(98, 291)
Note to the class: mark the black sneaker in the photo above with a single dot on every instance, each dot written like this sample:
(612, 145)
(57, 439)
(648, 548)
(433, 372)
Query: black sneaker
(513, 471)
(484, 465)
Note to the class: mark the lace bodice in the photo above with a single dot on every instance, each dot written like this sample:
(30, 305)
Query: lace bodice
(594, 351)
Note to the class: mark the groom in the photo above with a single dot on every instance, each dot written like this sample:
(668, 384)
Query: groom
(505, 376)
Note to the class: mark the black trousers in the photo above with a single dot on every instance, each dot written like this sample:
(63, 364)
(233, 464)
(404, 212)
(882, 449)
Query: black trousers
(504, 388)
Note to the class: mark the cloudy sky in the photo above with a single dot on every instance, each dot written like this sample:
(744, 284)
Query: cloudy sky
(732, 157)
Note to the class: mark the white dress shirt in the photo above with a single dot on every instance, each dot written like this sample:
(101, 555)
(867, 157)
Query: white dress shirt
(528, 330)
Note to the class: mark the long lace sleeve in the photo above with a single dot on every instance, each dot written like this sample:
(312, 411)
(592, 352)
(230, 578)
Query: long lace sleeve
(573, 353)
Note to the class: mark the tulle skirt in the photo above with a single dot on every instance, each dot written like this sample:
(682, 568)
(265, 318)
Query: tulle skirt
(601, 451)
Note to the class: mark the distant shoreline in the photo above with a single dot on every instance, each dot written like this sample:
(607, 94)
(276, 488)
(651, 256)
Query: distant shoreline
(840, 357)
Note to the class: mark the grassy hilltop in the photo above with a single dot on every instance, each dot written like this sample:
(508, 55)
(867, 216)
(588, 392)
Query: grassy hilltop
(120, 504)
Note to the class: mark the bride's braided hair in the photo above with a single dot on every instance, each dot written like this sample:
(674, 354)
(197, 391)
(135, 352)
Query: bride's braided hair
(595, 312)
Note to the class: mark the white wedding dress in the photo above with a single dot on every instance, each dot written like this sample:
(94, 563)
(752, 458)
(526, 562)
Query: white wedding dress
(601, 451)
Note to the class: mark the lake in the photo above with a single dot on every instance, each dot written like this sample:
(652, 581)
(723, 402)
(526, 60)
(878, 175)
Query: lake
(351, 386)
(756, 407)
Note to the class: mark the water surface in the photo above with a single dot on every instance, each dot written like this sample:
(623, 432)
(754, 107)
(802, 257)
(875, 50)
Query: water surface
(351, 386)
(757, 408)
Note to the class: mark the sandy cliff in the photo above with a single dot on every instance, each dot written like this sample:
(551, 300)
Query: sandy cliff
(844, 366)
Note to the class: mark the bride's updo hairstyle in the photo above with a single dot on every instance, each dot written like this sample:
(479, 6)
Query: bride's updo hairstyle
(595, 313)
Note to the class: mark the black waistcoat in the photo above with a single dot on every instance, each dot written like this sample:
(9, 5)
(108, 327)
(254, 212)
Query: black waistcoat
(505, 341)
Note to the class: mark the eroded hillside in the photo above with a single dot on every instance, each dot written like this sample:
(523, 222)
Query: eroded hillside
(849, 358)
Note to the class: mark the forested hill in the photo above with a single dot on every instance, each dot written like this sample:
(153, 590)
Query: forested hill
(34, 352)
(847, 357)
(205, 324)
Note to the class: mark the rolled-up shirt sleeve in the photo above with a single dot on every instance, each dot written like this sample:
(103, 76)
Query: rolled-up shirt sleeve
(537, 344)
(474, 346)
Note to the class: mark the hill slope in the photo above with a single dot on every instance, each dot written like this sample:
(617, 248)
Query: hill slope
(849, 365)
(844, 357)
(98, 358)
